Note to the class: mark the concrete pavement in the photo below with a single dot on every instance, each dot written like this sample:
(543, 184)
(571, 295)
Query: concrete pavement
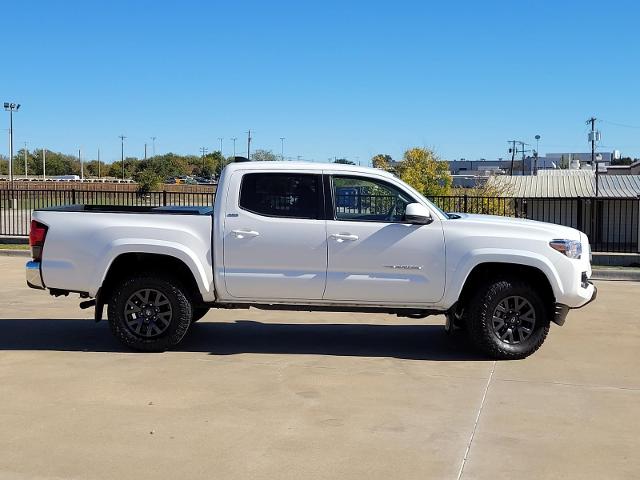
(291, 395)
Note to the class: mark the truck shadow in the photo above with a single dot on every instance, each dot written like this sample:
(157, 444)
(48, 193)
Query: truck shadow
(414, 342)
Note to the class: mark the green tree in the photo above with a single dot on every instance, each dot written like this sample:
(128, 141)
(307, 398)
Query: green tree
(131, 166)
(4, 165)
(382, 161)
(148, 180)
(425, 172)
(623, 161)
(344, 161)
(168, 165)
(263, 156)
(210, 165)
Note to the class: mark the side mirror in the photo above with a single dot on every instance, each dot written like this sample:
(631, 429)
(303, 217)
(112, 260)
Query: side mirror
(417, 214)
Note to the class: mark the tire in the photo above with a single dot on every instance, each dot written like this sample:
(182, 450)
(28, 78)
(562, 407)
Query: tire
(198, 313)
(508, 319)
(149, 312)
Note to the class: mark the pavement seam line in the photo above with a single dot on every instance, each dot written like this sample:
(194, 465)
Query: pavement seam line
(475, 425)
(566, 384)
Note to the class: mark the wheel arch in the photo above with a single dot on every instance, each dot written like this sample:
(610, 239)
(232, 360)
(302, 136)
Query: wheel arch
(486, 271)
(126, 263)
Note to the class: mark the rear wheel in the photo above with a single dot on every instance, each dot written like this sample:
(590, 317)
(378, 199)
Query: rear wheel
(149, 313)
(508, 319)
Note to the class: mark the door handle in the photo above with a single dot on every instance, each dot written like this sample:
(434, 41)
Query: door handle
(343, 237)
(245, 233)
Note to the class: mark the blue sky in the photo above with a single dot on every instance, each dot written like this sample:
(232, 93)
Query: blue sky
(345, 79)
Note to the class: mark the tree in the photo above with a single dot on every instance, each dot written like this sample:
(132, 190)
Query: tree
(131, 166)
(213, 165)
(344, 161)
(264, 156)
(425, 172)
(169, 165)
(382, 161)
(623, 161)
(148, 181)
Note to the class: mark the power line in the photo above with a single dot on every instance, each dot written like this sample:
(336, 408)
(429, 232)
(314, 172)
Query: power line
(618, 124)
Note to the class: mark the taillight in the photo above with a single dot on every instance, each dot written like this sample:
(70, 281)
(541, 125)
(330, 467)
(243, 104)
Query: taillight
(37, 235)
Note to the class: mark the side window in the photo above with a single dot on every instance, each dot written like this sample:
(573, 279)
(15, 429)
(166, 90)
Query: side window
(290, 195)
(368, 200)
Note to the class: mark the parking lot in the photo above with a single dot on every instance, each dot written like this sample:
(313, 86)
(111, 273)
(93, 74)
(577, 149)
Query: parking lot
(286, 395)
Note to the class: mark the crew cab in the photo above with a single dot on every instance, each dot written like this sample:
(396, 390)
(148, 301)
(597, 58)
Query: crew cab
(307, 236)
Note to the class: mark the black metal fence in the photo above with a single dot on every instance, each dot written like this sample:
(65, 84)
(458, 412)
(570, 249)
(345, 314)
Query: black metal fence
(612, 224)
(16, 205)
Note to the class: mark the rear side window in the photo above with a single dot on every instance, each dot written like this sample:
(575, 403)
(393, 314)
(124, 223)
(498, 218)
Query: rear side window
(290, 195)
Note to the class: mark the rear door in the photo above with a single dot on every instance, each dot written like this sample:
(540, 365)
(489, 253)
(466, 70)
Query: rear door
(374, 256)
(275, 244)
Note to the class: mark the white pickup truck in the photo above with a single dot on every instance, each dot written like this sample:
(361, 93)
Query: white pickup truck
(305, 236)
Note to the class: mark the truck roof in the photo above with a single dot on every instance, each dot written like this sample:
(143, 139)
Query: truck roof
(306, 166)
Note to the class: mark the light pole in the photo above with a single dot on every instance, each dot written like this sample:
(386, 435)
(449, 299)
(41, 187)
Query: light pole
(122, 137)
(99, 176)
(220, 138)
(11, 107)
(153, 145)
(282, 148)
(44, 164)
(234, 148)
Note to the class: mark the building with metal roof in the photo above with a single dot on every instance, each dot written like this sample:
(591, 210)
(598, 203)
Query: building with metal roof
(567, 184)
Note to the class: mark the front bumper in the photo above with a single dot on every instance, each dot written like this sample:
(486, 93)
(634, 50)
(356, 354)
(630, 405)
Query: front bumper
(34, 275)
(561, 311)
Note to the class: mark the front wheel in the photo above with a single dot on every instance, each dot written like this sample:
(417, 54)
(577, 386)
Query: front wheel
(508, 319)
(149, 313)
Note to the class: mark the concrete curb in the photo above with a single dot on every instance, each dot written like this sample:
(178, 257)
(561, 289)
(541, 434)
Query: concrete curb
(15, 253)
(626, 274)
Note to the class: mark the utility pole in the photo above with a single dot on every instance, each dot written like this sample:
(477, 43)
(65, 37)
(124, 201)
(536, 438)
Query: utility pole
(249, 145)
(122, 137)
(513, 155)
(81, 166)
(44, 164)
(537, 154)
(99, 176)
(282, 148)
(594, 136)
(203, 150)
(153, 145)
(25, 160)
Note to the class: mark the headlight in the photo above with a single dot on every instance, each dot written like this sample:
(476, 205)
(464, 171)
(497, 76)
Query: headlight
(570, 248)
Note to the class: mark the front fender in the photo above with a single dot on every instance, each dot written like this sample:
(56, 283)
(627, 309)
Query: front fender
(458, 272)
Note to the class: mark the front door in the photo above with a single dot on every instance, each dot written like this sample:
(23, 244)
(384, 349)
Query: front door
(373, 255)
(275, 244)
